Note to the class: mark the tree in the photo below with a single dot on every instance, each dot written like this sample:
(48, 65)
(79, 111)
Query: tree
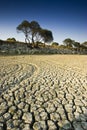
(76, 44)
(68, 42)
(84, 43)
(46, 35)
(83, 46)
(11, 39)
(34, 33)
(55, 44)
(25, 28)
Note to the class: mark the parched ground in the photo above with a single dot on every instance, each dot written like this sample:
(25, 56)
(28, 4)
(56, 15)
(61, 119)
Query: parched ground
(47, 92)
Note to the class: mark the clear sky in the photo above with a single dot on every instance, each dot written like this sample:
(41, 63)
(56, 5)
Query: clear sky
(65, 18)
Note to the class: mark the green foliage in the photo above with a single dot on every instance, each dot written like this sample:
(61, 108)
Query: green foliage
(11, 39)
(34, 25)
(68, 42)
(55, 44)
(76, 44)
(84, 43)
(46, 35)
(34, 33)
(25, 28)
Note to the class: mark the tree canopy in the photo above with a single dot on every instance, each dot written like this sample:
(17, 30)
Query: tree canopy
(84, 43)
(34, 33)
(68, 42)
(76, 44)
(25, 28)
(11, 39)
(55, 44)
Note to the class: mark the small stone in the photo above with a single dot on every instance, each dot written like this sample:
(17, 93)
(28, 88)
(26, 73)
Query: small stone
(1, 125)
(37, 116)
(67, 125)
(83, 117)
(26, 127)
(1, 119)
(51, 125)
(70, 116)
(84, 125)
(1, 100)
(54, 116)
(60, 123)
(3, 107)
(7, 116)
(26, 108)
(1, 128)
(51, 108)
(44, 115)
(21, 105)
(19, 113)
(68, 108)
(27, 117)
(15, 116)
(41, 110)
(77, 115)
(10, 124)
(41, 125)
(10, 103)
(16, 123)
(37, 126)
(78, 109)
(77, 126)
(12, 110)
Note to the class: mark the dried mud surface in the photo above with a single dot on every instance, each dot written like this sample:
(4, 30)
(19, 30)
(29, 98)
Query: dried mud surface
(47, 92)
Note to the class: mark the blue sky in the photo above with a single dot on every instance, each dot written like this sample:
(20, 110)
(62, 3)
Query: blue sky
(65, 18)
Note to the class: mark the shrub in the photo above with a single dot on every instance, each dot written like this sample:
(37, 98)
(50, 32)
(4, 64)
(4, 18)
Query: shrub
(55, 44)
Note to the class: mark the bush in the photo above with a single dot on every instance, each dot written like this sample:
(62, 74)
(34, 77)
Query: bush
(11, 40)
(55, 44)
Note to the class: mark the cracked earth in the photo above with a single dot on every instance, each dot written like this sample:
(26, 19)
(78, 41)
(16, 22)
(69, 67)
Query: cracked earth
(43, 92)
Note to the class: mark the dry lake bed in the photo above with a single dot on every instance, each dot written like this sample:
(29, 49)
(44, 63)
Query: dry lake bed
(47, 92)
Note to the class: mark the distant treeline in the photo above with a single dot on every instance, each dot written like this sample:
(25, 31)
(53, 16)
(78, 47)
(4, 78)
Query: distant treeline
(67, 43)
(37, 37)
(11, 46)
